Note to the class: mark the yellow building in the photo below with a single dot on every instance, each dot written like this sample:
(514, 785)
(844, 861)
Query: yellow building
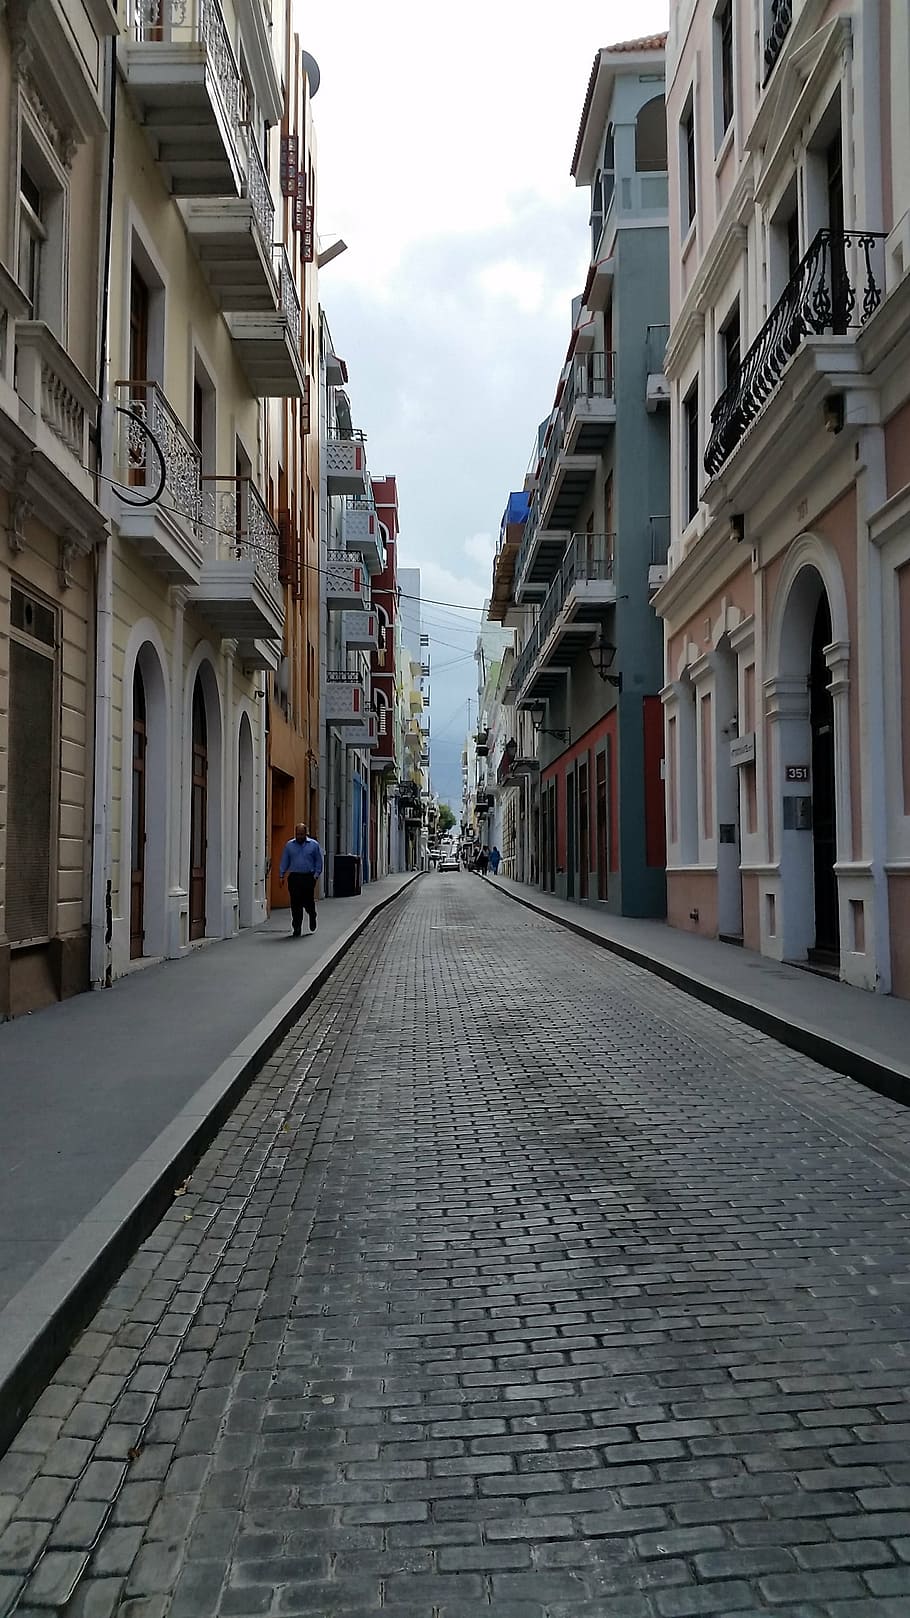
(205, 327)
(55, 58)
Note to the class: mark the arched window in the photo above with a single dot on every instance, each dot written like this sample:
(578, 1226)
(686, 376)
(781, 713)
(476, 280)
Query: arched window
(651, 137)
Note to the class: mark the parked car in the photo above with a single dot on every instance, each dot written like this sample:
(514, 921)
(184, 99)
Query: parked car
(449, 861)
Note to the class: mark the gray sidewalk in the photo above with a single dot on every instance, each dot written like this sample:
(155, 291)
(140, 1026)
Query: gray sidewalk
(101, 1094)
(866, 1036)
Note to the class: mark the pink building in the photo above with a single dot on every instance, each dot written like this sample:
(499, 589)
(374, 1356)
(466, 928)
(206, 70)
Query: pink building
(787, 602)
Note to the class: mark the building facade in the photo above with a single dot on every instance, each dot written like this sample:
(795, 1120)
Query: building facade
(785, 609)
(577, 582)
(352, 549)
(386, 853)
(55, 90)
(205, 327)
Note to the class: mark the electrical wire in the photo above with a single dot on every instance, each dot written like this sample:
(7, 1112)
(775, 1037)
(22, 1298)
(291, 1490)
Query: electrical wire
(311, 567)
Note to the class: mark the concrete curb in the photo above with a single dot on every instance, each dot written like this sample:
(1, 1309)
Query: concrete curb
(854, 1061)
(39, 1324)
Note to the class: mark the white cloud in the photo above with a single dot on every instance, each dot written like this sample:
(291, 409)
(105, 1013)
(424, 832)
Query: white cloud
(480, 548)
(521, 284)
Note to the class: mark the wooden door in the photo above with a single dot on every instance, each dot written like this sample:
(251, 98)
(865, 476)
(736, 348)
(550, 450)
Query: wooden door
(198, 816)
(137, 828)
(584, 832)
(824, 822)
(601, 815)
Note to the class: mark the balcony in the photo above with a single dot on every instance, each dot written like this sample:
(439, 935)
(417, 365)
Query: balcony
(57, 406)
(835, 289)
(345, 461)
(158, 470)
(345, 699)
(268, 343)
(570, 618)
(360, 531)
(481, 743)
(589, 404)
(365, 735)
(239, 589)
(233, 237)
(360, 631)
(185, 83)
(657, 388)
(345, 583)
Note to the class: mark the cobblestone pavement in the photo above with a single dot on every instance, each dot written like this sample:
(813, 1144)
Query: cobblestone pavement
(518, 1284)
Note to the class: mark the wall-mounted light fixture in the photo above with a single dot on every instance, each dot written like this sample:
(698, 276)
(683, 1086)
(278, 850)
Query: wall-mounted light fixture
(537, 714)
(603, 656)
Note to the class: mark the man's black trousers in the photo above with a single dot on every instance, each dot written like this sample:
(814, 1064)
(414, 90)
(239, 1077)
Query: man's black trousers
(302, 890)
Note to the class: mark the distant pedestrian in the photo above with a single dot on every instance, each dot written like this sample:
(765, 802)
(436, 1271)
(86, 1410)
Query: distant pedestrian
(495, 858)
(301, 863)
(483, 860)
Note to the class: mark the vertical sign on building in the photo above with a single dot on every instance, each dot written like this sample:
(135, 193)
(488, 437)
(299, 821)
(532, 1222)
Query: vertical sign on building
(309, 219)
(290, 154)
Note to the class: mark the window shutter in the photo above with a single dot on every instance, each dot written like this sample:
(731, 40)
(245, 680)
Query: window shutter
(30, 795)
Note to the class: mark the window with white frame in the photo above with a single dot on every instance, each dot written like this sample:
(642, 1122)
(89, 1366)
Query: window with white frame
(40, 228)
(731, 348)
(724, 93)
(688, 189)
(691, 452)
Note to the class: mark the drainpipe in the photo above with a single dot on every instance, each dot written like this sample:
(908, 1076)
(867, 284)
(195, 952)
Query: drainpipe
(101, 894)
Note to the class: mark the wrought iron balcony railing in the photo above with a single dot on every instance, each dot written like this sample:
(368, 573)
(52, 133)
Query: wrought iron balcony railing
(781, 18)
(259, 191)
(837, 286)
(589, 556)
(146, 420)
(236, 522)
(287, 292)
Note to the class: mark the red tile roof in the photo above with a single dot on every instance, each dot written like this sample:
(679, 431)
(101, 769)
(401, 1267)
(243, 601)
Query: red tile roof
(649, 42)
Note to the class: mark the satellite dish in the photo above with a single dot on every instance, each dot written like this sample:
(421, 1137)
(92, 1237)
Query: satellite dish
(311, 69)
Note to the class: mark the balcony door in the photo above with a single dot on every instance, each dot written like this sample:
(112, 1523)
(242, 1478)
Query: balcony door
(834, 166)
(584, 830)
(198, 815)
(140, 305)
(137, 829)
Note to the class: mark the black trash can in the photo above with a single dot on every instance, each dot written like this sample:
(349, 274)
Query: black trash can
(346, 876)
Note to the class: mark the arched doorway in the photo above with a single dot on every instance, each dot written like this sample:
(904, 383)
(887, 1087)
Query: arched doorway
(198, 814)
(138, 819)
(246, 798)
(824, 813)
(806, 692)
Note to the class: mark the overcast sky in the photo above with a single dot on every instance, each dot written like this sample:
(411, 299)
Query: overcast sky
(445, 137)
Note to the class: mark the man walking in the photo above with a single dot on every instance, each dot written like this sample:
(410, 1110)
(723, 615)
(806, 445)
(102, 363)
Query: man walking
(301, 863)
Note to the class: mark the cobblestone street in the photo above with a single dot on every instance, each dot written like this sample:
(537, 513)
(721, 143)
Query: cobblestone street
(518, 1284)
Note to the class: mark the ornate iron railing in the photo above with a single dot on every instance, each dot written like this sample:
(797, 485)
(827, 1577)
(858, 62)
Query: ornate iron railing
(259, 191)
(236, 522)
(146, 414)
(835, 287)
(287, 292)
(781, 18)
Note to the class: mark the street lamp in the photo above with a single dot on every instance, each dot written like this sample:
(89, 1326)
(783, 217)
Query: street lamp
(603, 654)
(537, 714)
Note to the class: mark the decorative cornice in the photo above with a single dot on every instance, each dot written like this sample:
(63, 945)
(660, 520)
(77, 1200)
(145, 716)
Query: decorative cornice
(68, 548)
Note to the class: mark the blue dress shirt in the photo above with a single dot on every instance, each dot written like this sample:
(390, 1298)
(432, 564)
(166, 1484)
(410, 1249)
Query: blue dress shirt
(301, 858)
